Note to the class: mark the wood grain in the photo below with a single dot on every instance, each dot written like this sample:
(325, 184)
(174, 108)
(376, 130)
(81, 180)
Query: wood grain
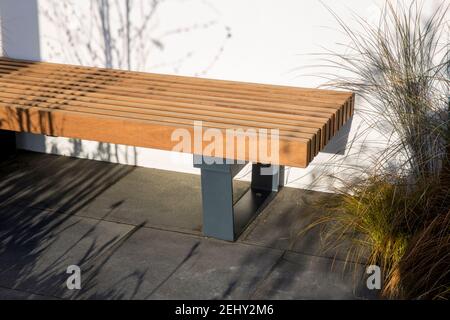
(143, 109)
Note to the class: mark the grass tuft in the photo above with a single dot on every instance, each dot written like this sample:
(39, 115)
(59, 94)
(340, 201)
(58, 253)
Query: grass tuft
(398, 217)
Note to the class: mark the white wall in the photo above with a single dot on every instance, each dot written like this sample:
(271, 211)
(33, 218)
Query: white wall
(266, 41)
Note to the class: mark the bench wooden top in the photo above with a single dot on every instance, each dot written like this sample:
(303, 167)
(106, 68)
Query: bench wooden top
(143, 109)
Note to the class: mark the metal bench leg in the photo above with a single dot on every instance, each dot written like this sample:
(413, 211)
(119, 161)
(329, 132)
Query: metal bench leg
(222, 219)
(217, 199)
(267, 177)
(7, 143)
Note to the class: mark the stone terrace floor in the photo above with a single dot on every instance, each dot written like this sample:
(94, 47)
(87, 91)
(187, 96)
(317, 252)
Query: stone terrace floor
(136, 234)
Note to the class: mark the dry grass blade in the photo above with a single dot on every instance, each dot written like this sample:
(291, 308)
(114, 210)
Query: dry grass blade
(399, 213)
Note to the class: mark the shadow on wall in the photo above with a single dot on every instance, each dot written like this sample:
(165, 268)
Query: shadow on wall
(134, 34)
(104, 33)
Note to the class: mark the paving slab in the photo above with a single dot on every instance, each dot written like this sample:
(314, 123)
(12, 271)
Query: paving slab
(55, 183)
(155, 264)
(284, 221)
(10, 294)
(101, 190)
(36, 247)
(220, 270)
(140, 265)
(155, 198)
(299, 276)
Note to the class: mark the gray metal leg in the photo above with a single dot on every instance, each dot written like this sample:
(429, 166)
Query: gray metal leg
(222, 219)
(261, 180)
(7, 143)
(217, 198)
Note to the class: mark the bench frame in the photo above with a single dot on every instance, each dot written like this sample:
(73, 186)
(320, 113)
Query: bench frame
(224, 218)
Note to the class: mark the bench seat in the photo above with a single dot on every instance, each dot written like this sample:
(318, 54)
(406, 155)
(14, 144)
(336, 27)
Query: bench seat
(142, 109)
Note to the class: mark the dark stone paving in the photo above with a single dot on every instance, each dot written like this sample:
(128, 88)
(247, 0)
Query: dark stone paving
(155, 198)
(134, 232)
(300, 276)
(168, 265)
(103, 190)
(37, 246)
(11, 294)
(284, 222)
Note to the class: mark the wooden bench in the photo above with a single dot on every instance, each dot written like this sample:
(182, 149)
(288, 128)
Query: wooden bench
(143, 110)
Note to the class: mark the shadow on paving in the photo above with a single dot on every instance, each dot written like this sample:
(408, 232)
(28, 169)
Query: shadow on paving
(37, 245)
(299, 276)
(311, 267)
(286, 224)
(55, 183)
(41, 234)
(178, 266)
(106, 191)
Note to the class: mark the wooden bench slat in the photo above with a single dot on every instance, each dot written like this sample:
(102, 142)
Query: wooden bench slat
(87, 84)
(143, 103)
(67, 102)
(194, 109)
(301, 122)
(163, 117)
(21, 107)
(307, 118)
(55, 105)
(299, 107)
(284, 133)
(310, 102)
(135, 132)
(294, 102)
(327, 132)
(183, 80)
